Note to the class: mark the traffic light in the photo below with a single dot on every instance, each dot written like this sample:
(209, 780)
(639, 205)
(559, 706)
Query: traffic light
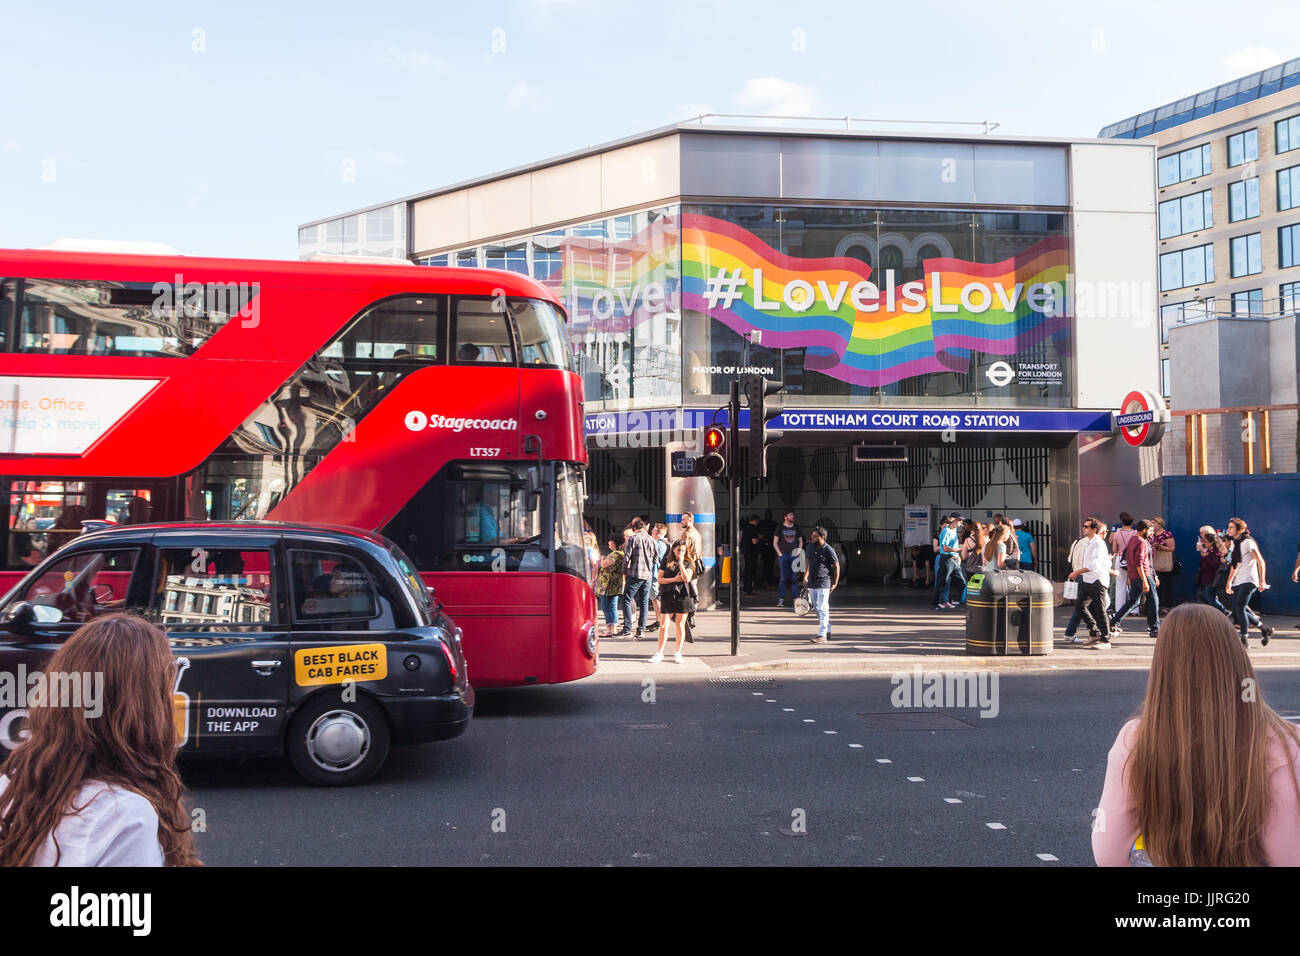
(761, 411)
(713, 464)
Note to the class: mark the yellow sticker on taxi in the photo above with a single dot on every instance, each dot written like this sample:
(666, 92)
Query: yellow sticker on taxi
(334, 665)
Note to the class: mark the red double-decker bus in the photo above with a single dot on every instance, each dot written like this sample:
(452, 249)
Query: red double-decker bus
(438, 406)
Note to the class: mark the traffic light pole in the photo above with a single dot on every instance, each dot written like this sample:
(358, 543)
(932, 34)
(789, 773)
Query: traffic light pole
(733, 494)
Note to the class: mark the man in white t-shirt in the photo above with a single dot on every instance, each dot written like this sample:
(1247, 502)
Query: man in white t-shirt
(1091, 568)
(1247, 576)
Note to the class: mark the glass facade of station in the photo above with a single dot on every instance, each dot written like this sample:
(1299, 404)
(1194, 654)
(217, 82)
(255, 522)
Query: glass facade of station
(857, 306)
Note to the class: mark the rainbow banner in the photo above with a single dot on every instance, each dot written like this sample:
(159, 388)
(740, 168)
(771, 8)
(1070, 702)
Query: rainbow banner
(868, 334)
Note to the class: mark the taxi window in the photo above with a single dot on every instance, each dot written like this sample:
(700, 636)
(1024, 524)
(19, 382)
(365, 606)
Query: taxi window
(331, 586)
(213, 587)
(85, 585)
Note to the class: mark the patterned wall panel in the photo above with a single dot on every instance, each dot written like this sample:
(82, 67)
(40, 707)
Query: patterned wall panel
(911, 476)
(787, 464)
(967, 473)
(1030, 466)
(865, 479)
(824, 468)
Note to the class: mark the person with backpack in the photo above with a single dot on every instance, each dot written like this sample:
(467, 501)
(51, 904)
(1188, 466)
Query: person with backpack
(1141, 579)
(642, 555)
(1248, 575)
(1119, 542)
(1203, 776)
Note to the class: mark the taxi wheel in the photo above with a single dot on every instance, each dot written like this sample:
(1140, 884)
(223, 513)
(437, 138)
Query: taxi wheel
(333, 743)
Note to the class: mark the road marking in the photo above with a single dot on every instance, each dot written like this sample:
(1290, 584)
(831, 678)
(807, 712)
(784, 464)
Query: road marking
(830, 731)
(757, 693)
(883, 760)
(770, 701)
(788, 710)
(917, 779)
(856, 746)
(1048, 858)
(996, 826)
(809, 720)
(951, 800)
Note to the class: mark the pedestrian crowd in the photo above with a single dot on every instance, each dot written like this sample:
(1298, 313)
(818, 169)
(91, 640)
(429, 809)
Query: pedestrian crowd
(963, 547)
(1132, 569)
(642, 571)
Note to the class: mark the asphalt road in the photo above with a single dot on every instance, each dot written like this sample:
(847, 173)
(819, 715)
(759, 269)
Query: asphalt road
(753, 771)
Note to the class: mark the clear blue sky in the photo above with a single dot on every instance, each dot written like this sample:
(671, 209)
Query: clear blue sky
(122, 122)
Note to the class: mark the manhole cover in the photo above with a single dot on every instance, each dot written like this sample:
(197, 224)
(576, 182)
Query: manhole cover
(915, 720)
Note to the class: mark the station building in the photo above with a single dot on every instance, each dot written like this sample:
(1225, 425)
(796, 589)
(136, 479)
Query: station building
(985, 302)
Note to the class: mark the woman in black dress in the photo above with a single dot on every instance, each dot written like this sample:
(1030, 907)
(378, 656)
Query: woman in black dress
(674, 597)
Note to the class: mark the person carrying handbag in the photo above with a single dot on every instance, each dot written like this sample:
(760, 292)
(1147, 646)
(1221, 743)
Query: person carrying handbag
(1164, 561)
(675, 576)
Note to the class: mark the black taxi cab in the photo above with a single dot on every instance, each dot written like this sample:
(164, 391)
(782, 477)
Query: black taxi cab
(314, 641)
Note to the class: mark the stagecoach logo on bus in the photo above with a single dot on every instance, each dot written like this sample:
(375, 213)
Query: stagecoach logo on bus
(218, 301)
(418, 421)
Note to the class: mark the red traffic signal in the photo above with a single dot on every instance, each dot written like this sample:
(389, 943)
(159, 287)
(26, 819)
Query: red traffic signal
(714, 439)
(713, 463)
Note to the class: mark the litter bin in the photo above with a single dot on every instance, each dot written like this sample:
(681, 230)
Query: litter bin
(1009, 612)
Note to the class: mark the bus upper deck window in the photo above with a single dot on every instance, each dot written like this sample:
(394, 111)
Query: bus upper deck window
(482, 333)
(543, 340)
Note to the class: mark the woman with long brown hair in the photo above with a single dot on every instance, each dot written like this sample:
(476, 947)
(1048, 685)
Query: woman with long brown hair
(1207, 774)
(99, 787)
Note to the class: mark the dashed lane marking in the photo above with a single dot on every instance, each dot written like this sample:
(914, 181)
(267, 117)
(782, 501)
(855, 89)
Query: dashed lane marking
(996, 826)
(951, 800)
(916, 779)
(1048, 858)
(883, 760)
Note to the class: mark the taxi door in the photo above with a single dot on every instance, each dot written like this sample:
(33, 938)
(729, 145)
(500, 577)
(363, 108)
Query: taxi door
(220, 600)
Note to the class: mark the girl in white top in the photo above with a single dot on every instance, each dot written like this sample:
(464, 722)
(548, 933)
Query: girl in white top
(995, 552)
(97, 785)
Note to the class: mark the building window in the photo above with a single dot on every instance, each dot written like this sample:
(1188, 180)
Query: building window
(1248, 304)
(434, 260)
(1243, 147)
(1185, 165)
(1288, 188)
(1164, 378)
(1288, 134)
(1243, 200)
(1187, 214)
(1189, 267)
(1247, 260)
(1288, 246)
(1289, 297)
(467, 258)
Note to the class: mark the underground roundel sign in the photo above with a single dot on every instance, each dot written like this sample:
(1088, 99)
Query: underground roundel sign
(1141, 419)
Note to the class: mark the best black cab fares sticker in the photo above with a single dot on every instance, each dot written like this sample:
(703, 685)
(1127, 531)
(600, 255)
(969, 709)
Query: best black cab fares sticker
(334, 665)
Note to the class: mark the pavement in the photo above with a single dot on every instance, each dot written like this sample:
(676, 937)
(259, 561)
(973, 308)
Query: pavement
(884, 629)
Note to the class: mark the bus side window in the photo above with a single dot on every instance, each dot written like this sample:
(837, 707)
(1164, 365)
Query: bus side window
(481, 332)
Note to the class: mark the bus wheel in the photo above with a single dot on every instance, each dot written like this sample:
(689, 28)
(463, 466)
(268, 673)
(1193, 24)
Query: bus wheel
(333, 744)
